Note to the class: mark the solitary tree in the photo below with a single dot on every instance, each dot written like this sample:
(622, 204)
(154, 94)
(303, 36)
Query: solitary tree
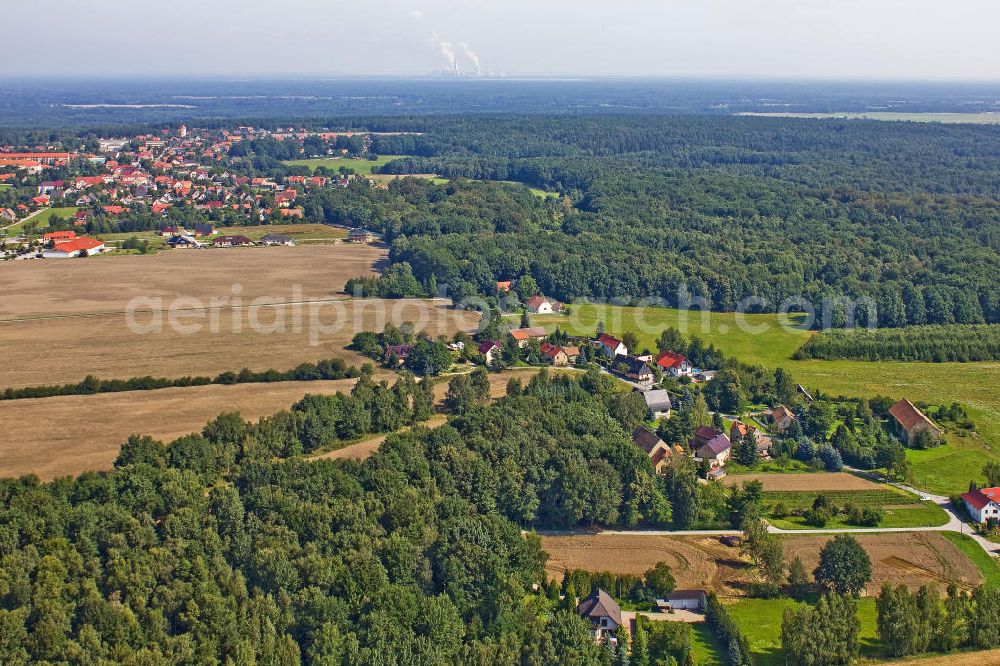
(844, 566)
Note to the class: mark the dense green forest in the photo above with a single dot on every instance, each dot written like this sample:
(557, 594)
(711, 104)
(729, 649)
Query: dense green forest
(211, 550)
(937, 344)
(725, 212)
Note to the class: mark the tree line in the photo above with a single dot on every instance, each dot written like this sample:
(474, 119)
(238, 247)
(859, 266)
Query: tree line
(325, 369)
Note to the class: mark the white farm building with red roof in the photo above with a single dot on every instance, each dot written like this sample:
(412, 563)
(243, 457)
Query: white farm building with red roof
(983, 504)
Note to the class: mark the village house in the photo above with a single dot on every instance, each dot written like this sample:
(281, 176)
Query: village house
(398, 352)
(360, 236)
(202, 230)
(739, 430)
(277, 239)
(632, 368)
(982, 504)
(504, 286)
(554, 353)
(523, 335)
(690, 600)
(183, 242)
(79, 247)
(908, 421)
(657, 403)
(59, 236)
(231, 241)
(782, 418)
(612, 346)
(711, 445)
(654, 447)
(542, 305)
(603, 613)
(489, 350)
(674, 364)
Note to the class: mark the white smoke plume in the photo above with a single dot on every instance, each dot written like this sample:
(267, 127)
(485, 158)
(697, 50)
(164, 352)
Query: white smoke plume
(473, 56)
(447, 49)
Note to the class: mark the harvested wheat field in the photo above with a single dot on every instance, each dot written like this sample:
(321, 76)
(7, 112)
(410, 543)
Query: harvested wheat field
(695, 561)
(984, 658)
(912, 558)
(68, 435)
(818, 481)
(108, 284)
(59, 351)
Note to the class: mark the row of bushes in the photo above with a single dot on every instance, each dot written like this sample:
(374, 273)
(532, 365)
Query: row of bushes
(325, 369)
(934, 344)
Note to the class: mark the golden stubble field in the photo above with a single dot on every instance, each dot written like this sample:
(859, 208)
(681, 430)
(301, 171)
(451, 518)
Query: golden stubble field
(912, 558)
(198, 313)
(68, 435)
(818, 482)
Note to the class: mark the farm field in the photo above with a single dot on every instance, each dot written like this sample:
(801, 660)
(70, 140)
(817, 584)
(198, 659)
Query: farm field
(911, 558)
(976, 385)
(36, 438)
(34, 289)
(955, 659)
(270, 337)
(360, 166)
(813, 482)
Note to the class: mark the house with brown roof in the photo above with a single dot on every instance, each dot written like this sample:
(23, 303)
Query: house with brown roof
(542, 305)
(782, 418)
(523, 335)
(603, 613)
(908, 421)
(654, 447)
(738, 430)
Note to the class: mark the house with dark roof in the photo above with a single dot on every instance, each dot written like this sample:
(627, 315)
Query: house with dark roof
(711, 445)
(654, 447)
(277, 239)
(982, 504)
(398, 352)
(231, 241)
(632, 368)
(183, 242)
(657, 403)
(488, 349)
(908, 421)
(603, 613)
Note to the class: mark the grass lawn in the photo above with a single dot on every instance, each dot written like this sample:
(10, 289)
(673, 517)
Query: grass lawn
(979, 557)
(760, 622)
(360, 166)
(775, 339)
(705, 647)
(771, 467)
(41, 220)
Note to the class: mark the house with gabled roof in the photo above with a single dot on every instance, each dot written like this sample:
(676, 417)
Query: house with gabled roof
(674, 364)
(489, 349)
(654, 447)
(603, 613)
(657, 403)
(543, 305)
(611, 346)
(633, 369)
(908, 421)
(982, 504)
(523, 335)
(782, 418)
(711, 445)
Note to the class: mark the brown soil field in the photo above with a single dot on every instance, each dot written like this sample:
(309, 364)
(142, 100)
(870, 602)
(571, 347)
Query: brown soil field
(68, 435)
(912, 558)
(58, 351)
(108, 284)
(817, 481)
(983, 658)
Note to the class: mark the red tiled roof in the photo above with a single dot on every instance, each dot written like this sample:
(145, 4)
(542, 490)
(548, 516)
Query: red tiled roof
(609, 341)
(83, 243)
(669, 360)
(982, 497)
(908, 415)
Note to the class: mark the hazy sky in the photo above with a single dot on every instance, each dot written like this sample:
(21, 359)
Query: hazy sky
(915, 39)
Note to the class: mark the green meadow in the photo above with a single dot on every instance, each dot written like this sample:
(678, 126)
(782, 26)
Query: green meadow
(360, 166)
(41, 220)
(770, 340)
